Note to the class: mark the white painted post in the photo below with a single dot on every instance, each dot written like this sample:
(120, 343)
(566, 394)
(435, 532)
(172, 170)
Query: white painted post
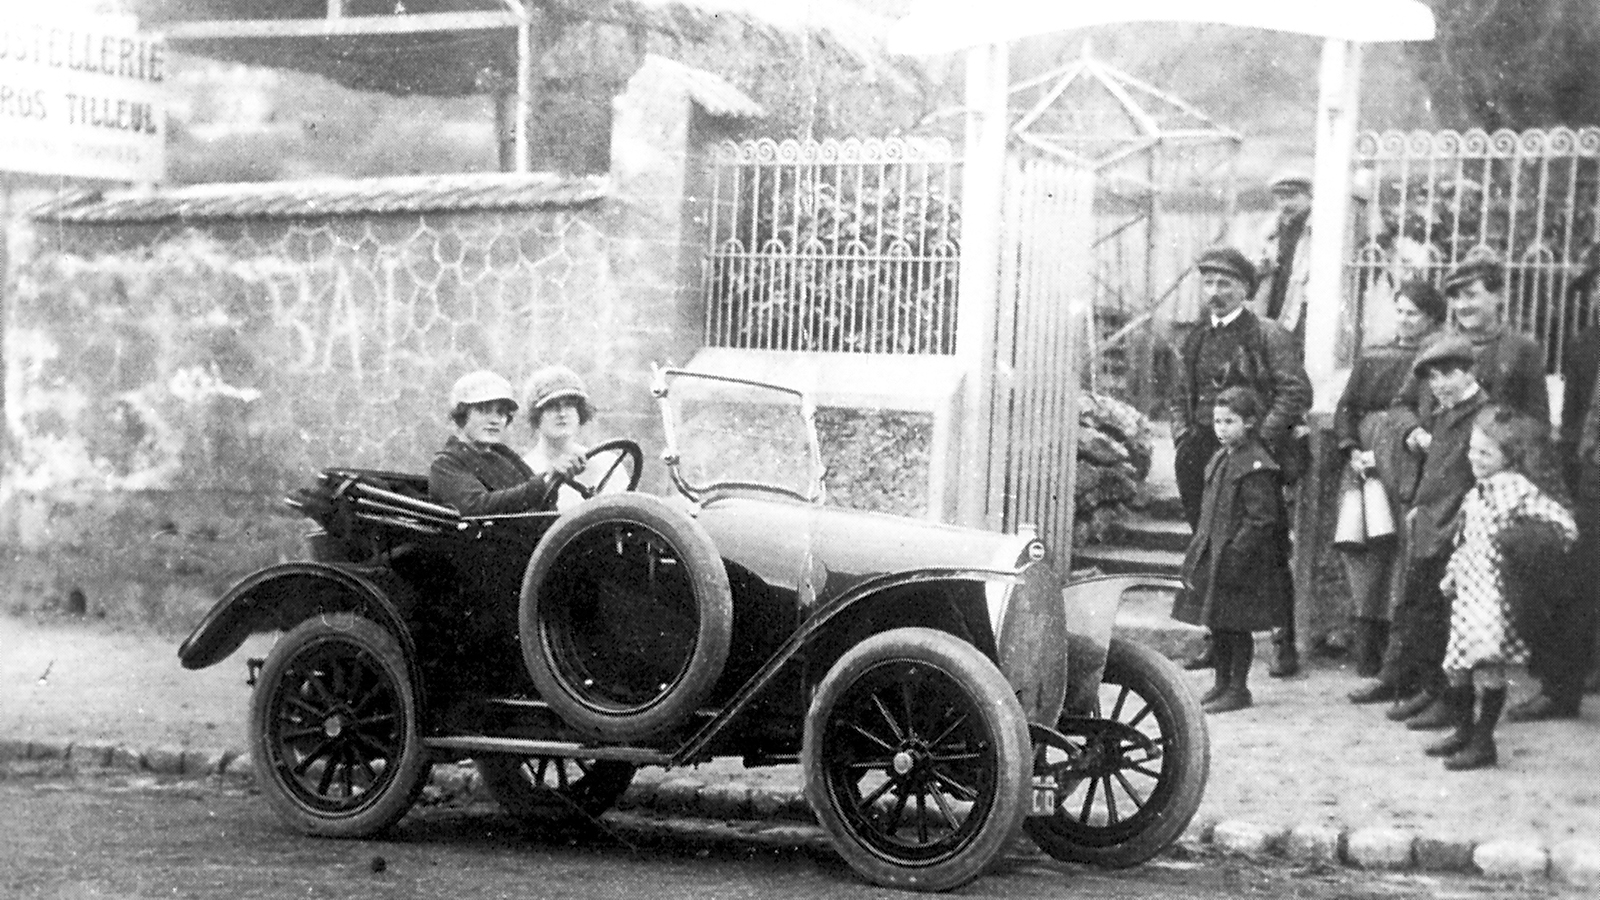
(524, 89)
(982, 193)
(1338, 108)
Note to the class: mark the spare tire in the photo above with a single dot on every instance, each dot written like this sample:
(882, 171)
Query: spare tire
(626, 617)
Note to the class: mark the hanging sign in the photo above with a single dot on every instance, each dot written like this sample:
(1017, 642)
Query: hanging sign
(82, 97)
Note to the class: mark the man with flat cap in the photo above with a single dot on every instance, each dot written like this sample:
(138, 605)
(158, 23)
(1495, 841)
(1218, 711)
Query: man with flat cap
(1508, 364)
(1284, 268)
(1230, 346)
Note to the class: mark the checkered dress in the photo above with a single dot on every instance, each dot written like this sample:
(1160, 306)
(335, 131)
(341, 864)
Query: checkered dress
(1480, 623)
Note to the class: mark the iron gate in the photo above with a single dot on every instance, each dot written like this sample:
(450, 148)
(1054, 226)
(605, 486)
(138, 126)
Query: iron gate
(1045, 305)
(841, 246)
(1530, 198)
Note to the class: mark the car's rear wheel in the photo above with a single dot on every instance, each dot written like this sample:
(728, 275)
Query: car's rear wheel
(334, 728)
(545, 790)
(916, 759)
(1136, 769)
(626, 617)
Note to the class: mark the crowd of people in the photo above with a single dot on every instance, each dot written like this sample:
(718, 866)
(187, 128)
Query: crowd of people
(1449, 424)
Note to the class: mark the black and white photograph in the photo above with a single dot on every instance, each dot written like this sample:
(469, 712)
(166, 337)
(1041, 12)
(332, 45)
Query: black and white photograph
(800, 449)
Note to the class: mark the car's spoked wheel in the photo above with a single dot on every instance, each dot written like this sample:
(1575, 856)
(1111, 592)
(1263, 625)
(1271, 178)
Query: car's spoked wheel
(916, 759)
(334, 726)
(626, 617)
(1132, 775)
(543, 790)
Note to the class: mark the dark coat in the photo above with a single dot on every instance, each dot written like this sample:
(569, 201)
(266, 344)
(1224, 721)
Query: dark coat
(1446, 478)
(484, 482)
(1508, 364)
(1236, 574)
(1367, 417)
(1579, 370)
(1268, 362)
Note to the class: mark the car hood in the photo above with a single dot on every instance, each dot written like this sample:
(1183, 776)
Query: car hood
(783, 540)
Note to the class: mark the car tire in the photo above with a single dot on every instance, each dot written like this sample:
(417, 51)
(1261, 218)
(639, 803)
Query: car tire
(916, 759)
(334, 728)
(552, 791)
(1141, 690)
(626, 617)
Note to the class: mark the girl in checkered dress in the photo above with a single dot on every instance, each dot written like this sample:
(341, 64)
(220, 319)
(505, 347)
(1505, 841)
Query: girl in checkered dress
(1516, 486)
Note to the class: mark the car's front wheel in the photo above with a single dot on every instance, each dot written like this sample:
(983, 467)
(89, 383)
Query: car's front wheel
(544, 790)
(1133, 773)
(334, 728)
(916, 759)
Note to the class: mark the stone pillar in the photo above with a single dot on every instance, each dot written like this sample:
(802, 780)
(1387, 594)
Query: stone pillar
(657, 232)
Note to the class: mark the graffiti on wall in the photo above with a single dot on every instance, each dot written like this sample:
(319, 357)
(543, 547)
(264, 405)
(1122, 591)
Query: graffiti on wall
(246, 361)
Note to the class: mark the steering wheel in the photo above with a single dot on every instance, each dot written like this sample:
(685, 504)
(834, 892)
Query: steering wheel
(626, 451)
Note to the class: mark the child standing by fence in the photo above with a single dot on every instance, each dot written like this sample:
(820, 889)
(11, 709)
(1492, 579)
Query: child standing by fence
(1236, 574)
(1516, 493)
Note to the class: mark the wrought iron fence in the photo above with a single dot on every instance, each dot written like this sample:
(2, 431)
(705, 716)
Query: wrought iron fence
(1531, 198)
(844, 246)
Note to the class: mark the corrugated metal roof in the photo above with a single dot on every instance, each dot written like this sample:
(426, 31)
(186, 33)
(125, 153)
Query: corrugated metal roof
(331, 197)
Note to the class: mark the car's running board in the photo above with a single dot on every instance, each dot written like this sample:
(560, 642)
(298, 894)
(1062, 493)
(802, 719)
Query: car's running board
(477, 744)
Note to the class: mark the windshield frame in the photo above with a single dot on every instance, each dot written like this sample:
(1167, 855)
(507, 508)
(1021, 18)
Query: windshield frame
(661, 388)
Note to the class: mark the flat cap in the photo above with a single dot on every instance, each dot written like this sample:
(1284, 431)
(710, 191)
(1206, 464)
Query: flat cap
(1231, 262)
(1447, 348)
(1478, 261)
(1293, 175)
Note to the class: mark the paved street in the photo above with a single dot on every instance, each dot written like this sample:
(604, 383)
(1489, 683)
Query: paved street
(132, 838)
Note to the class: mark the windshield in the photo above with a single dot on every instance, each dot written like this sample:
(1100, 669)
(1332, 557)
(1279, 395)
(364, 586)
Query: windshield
(733, 433)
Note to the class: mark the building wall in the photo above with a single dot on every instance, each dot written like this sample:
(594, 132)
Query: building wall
(167, 385)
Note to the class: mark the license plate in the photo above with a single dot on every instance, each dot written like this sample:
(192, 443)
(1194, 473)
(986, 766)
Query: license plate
(1044, 797)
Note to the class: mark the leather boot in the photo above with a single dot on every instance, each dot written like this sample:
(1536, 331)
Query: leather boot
(1382, 690)
(1371, 636)
(1543, 707)
(1405, 709)
(1205, 659)
(1438, 714)
(1241, 653)
(1394, 680)
(1285, 656)
(1480, 751)
(1221, 653)
(1458, 698)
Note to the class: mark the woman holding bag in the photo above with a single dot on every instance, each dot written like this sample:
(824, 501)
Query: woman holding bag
(1371, 434)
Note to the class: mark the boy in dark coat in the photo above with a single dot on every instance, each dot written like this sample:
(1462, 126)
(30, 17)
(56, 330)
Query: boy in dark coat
(1236, 574)
(1422, 618)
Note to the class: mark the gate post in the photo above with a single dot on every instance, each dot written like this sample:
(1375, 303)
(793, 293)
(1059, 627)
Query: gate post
(982, 189)
(1338, 103)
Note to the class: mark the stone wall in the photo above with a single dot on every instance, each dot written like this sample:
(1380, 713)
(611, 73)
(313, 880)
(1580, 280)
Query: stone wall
(166, 385)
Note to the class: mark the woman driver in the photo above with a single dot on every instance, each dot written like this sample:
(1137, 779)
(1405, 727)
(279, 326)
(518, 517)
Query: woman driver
(476, 472)
(558, 407)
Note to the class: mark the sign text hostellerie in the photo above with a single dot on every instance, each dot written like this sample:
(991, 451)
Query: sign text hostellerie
(120, 56)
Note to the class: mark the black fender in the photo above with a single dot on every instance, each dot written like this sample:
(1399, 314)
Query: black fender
(279, 597)
(818, 624)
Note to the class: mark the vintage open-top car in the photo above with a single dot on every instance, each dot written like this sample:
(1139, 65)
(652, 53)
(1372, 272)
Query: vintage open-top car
(938, 686)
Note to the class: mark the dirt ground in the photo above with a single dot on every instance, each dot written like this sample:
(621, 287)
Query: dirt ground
(1301, 755)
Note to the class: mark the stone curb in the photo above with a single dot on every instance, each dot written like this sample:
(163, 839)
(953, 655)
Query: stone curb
(781, 817)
